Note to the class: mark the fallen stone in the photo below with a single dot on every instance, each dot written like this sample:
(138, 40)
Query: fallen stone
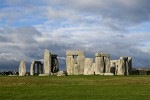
(61, 73)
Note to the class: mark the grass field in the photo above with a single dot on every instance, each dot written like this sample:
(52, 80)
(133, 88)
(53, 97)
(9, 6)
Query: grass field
(75, 88)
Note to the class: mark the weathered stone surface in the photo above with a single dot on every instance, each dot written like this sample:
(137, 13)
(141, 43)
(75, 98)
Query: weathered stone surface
(70, 65)
(88, 66)
(61, 73)
(123, 66)
(41, 75)
(80, 62)
(108, 74)
(55, 64)
(47, 62)
(92, 72)
(76, 64)
(22, 69)
(102, 55)
(130, 65)
(74, 52)
(99, 65)
(107, 64)
(71, 61)
(76, 69)
(39, 66)
(32, 69)
(120, 67)
(114, 66)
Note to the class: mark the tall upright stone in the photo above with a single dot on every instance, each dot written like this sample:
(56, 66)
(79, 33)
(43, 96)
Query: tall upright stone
(47, 62)
(124, 65)
(70, 65)
(99, 64)
(120, 66)
(107, 64)
(32, 69)
(88, 66)
(130, 65)
(80, 62)
(22, 69)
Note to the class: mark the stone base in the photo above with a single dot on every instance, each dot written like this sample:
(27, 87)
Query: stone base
(42, 75)
(101, 74)
(109, 74)
(120, 74)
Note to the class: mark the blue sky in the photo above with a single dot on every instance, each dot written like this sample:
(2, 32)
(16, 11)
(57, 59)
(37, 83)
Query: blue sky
(118, 27)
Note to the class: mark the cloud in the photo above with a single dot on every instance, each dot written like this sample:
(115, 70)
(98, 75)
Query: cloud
(118, 27)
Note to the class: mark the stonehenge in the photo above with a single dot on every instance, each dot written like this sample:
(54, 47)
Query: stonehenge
(77, 64)
(51, 66)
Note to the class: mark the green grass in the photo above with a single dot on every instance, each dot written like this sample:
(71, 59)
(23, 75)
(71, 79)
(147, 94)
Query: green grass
(75, 88)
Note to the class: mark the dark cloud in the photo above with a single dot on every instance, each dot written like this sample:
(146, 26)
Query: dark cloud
(90, 25)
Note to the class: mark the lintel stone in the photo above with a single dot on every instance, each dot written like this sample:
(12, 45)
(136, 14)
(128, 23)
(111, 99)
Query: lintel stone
(74, 52)
(102, 55)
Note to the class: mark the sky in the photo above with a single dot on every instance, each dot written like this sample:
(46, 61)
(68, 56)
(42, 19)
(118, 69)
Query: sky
(117, 27)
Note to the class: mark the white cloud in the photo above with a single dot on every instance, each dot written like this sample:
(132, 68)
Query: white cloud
(91, 25)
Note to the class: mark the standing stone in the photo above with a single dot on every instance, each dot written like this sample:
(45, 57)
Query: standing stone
(123, 66)
(22, 69)
(107, 64)
(92, 72)
(88, 65)
(130, 65)
(70, 65)
(80, 61)
(120, 67)
(32, 69)
(47, 62)
(99, 64)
